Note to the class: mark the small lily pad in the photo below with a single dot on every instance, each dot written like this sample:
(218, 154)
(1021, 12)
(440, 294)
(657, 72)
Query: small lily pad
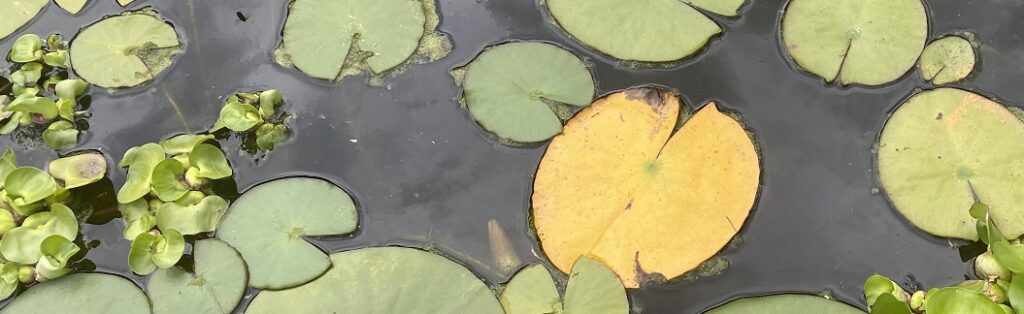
(508, 86)
(855, 41)
(592, 288)
(17, 13)
(125, 50)
(531, 291)
(81, 293)
(384, 280)
(267, 225)
(79, 170)
(216, 287)
(71, 6)
(785, 304)
(947, 60)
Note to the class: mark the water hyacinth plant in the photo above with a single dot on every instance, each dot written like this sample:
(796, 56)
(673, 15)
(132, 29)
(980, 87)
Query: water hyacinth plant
(41, 93)
(255, 116)
(168, 195)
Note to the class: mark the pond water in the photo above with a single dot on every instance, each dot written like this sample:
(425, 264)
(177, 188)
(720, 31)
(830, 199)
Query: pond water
(425, 175)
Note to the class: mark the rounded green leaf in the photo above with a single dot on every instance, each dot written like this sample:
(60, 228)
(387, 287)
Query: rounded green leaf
(269, 135)
(192, 218)
(56, 58)
(28, 75)
(140, 160)
(125, 50)
(531, 291)
(29, 103)
(210, 161)
(8, 279)
(11, 124)
(6, 221)
(143, 224)
(168, 248)
(269, 99)
(66, 109)
(508, 85)
(60, 135)
(855, 41)
(81, 293)
(216, 287)
(318, 34)
(267, 225)
(140, 257)
(71, 6)
(22, 244)
(26, 48)
(8, 162)
(239, 117)
(593, 288)
(947, 60)
(167, 180)
(79, 170)
(785, 304)
(17, 13)
(1015, 293)
(384, 280)
(29, 185)
(183, 144)
(71, 88)
(57, 250)
(960, 301)
(943, 150)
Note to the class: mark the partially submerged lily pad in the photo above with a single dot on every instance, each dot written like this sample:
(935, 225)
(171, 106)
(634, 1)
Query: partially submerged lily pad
(945, 149)
(268, 224)
(646, 30)
(216, 287)
(17, 13)
(79, 170)
(384, 280)
(947, 60)
(855, 41)
(125, 50)
(592, 288)
(785, 304)
(508, 88)
(81, 293)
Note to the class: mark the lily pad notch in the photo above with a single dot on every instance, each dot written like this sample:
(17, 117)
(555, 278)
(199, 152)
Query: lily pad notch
(949, 59)
(125, 50)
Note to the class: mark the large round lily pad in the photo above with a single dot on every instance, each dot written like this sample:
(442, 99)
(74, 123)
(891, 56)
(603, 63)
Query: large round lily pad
(216, 287)
(619, 187)
(785, 304)
(855, 41)
(267, 225)
(945, 149)
(17, 13)
(947, 60)
(320, 34)
(81, 293)
(508, 86)
(125, 50)
(643, 30)
(390, 280)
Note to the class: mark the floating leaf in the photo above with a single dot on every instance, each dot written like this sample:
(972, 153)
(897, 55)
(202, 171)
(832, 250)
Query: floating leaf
(960, 301)
(26, 48)
(269, 135)
(22, 244)
(854, 41)
(56, 251)
(71, 6)
(785, 304)
(167, 180)
(6, 221)
(71, 89)
(239, 117)
(29, 103)
(944, 149)
(609, 187)
(402, 280)
(319, 34)
(17, 13)
(8, 162)
(593, 288)
(28, 75)
(508, 85)
(81, 293)
(28, 185)
(125, 50)
(267, 225)
(11, 124)
(151, 251)
(58, 59)
(8, 279)
(1016, 293)
(60, 135)
(947, 60)
(269, 99)
(124, 3)
(210, 161)
(650, 30)
(190, 219)
(216, 287)
(183, 144)
(143, 224)
(888, 304)
(531, 291)
(140, 160)
(79, 170)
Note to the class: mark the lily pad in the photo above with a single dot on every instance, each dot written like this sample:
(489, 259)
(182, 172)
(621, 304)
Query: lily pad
(508, 86)
(610, 186)
(124, 51)
(216, 287)
(648, 30)
(531, 291)
(945, 149)
(79, 170)
(267, 225)
(947, 60)
(71, 6)
(592, 288)
(17, 13)
(81, 293)
(785, 304)
(855, 41)
(320, 34)
(384, 280)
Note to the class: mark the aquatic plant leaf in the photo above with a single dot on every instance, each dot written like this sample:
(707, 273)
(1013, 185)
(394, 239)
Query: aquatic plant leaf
(168, 249)
(532, 291)
(1015, 293)
(71, 6)
(57, 59)
(189, 219)
(720, 7)
(8, 279)
(124, 3)
(954, 300)
(66, 109)
(125, 50)
(785, 304)
(319, 34)
(6, 221)
(947, 60)
(877, 285)
(945, 149)
(609, 186)
(26, 48)
(216, 287)
(28, 75)
(506, 88)
(11, 124)
(57, 251)
(183, 144)
(402, 280)
(656, 31)
(79, 293)
(79, 170)
(8, 162)
(60, 135)
(268, 135)
(140, 160)
(29, 185)
(22, 244)
(593, 288)
(267, 225)
(143, 224)
(887, 303)
(210, 161)
(854, 41)
(239, 117)
(269, 99)
(1010, 256)
(71, 89)
(167, 180)
(29, 103)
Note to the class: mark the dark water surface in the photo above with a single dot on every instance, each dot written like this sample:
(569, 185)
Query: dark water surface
(425, 175)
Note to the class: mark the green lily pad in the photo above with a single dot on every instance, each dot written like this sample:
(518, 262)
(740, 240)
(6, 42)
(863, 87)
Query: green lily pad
(947, 60)
(319, 34)
(71, 6)
(81, 293)
(944, 149)
(195, 218)
(125, 50)
(79, 170)
(592, 288)
(785, 304)
(648, 30)
(508, 86)
(960, 301)
(531, 291)
(216, 287)
(210, 161)
(267, 225)
(28, 185)
(854, 41)
(22, 244)
(384, 280)
(140, 160)
(17, 13)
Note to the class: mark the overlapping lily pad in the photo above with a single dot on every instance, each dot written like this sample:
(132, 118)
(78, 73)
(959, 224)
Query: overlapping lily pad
(268, 224)
(125, 50)
(592, 288)
(81, 293)
(216, 287)
(384, 280)
(17, 13)
(785, 304)
(947, 60)
(508, 88)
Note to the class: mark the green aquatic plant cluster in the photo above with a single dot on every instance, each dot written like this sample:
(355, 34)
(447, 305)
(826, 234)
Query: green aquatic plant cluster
(255, 115)
(167, 195)
(40, 93)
